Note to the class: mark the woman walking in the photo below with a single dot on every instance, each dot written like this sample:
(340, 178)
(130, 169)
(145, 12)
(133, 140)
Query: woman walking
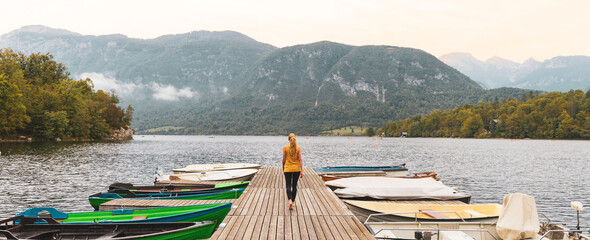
(293, 168)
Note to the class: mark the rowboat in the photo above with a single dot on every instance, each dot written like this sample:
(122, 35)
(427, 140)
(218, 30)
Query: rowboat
(388, 188)
(228, 175)
(100, 198)
(395, 170)
(190, 213)
(339, 175)
(215, 167)
(176, 188)
(401, 212)
(26, 229)
(433, 230)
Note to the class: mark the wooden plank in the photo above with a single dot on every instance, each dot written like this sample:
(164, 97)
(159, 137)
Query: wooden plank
(295, 231)
(349, 232)
(319, 232)
(288, 229)
(363, 229)
(303, 231)
(433, 214)
(265, 230)
(332, 227)
(259, 202)
(307, 199)
(339, 227)
(223, 234)
(252, 227)
(272, 230)
(236, 227)
(354, 227)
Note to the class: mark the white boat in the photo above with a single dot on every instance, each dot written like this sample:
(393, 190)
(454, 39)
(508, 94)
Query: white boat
(403, 212)
(228, 175)
(386, 188)
(434, 230)
(215, 167)
(458, 231)
(518, 220)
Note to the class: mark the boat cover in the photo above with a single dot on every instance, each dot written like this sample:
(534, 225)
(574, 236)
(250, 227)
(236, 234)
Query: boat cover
(518, 218)
(394, 188)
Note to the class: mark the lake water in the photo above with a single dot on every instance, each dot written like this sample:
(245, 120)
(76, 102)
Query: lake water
(63, 175)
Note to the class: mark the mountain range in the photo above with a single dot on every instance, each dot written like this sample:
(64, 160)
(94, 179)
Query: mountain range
(562, 73)
(227, 83)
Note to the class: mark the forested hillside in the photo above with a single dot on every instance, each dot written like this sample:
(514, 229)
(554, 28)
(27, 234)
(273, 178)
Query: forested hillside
(39, 100)
(553, 115)
(227, 83)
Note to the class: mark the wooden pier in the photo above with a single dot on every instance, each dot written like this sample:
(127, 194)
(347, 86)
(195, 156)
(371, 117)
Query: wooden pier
(262, 211)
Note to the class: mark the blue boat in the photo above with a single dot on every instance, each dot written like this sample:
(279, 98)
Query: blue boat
(395, 170)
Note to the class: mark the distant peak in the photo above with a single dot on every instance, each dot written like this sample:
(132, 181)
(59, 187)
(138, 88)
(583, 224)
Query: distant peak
(499, 60)
(531, 61)
(463, 55)
(44, 30)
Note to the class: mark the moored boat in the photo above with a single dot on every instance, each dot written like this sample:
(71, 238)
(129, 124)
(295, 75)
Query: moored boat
(228, 175)
(394, 170)
(339, 175)
(171, 188)
(433, 230)
(26, 229)
(402, 212)
(215, 167)
(387, 188)
(190, 213)
(100, 198)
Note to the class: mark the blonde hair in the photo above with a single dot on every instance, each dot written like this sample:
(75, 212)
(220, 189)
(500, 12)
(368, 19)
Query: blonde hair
(293, 146)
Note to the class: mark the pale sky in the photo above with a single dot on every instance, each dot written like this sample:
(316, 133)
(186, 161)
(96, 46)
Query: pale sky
(512, 29)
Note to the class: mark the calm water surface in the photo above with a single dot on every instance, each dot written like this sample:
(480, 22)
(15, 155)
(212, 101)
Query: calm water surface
(62, 175)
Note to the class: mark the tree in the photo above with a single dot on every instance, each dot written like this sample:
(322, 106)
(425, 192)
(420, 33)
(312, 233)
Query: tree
(471, 126)
(12, 111)
(370, 132)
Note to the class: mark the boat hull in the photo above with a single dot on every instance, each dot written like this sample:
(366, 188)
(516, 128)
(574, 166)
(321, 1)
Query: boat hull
(192, 213)
(215, 167)
(444, 230)
(413, 214)
(196, 178)
(97, 199)
(118, 231)
(392, 171)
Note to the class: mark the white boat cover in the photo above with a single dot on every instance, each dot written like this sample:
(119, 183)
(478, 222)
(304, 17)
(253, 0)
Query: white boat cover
(394, 188)
(518, 218)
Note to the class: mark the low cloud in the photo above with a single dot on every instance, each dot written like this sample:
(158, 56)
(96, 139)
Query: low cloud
(158, 91)
(108, 83)
(171, 93)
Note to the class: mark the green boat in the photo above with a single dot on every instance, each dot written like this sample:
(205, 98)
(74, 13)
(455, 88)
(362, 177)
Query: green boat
(99, 198)
(26, 229)
(190, 213)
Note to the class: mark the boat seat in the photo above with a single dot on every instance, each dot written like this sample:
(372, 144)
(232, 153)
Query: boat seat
(433, 214)
(139, 217)
(474, 213)
(112, 234)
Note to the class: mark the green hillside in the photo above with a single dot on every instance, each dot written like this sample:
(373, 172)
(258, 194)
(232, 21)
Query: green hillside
(553, 115)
